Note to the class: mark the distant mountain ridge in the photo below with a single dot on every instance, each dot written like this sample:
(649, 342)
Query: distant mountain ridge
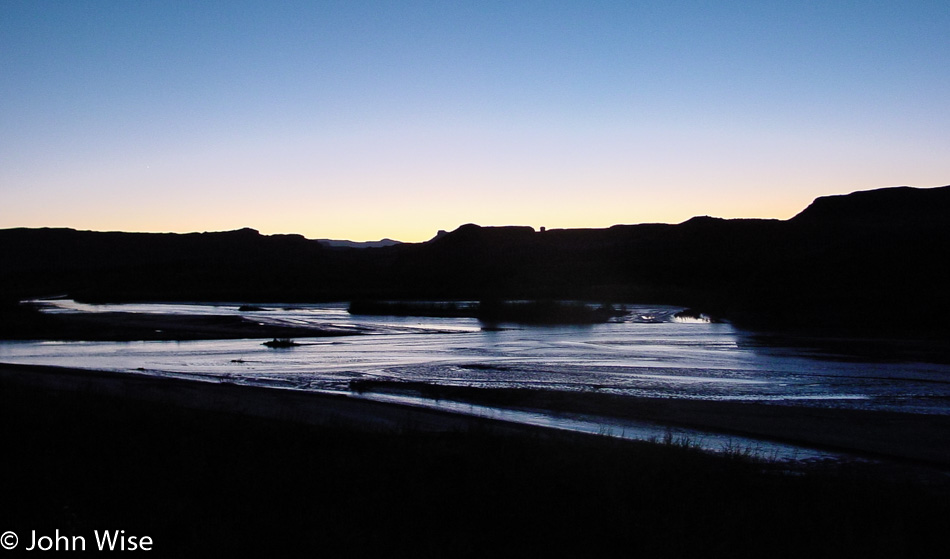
(868, 259)
(335, 243)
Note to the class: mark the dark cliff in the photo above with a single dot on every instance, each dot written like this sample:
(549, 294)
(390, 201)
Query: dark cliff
(868, 259)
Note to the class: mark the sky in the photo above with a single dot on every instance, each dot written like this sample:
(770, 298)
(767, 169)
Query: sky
(361, 120)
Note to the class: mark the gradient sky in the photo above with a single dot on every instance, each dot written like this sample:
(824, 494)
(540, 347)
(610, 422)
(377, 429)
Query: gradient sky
(364, 120)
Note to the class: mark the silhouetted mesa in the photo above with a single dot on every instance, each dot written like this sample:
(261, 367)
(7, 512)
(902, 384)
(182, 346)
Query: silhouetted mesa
(872, 261)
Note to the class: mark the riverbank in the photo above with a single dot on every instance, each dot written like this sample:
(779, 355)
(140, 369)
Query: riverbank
(26, 322)
(904, 438)
(199, 473)
(908, 440)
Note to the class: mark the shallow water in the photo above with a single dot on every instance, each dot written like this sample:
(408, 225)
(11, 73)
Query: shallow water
(649, 353)
(624, 428)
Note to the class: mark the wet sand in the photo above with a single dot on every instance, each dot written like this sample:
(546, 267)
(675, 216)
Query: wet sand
(904, 437)
(309, 408)
(913, 439)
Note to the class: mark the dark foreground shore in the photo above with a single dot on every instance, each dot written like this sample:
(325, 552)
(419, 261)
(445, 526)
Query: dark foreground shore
(209, 470)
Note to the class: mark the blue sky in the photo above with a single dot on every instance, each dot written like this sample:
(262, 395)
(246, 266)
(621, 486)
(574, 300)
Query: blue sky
(369, 119)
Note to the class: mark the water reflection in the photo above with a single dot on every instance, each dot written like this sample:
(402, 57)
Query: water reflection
(658, 357)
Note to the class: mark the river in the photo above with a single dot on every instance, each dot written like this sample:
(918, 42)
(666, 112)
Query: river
(649, 353)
